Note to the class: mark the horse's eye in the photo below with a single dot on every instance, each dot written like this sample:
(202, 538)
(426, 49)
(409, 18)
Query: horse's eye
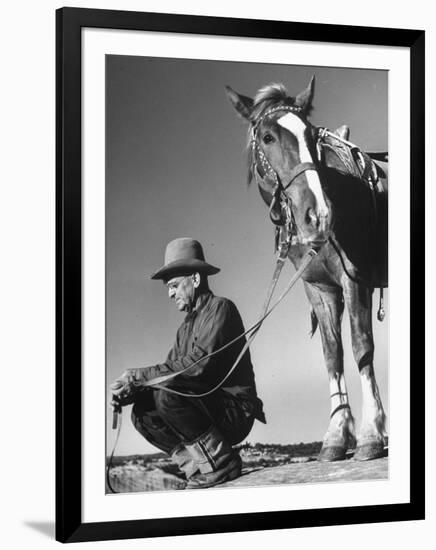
(268, 138)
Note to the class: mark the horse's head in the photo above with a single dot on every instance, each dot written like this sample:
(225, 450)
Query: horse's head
(283, 154)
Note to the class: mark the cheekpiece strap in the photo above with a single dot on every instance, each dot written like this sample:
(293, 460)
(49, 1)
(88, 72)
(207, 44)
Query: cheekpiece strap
(299, 169)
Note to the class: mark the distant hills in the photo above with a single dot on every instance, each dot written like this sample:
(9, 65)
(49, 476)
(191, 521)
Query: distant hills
(292, 450)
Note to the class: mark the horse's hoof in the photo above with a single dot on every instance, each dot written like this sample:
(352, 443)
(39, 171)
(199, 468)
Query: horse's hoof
(332, 453)
(370, 451)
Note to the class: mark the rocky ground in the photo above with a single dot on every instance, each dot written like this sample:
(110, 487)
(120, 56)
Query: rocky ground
(313, 472)
(136, 479)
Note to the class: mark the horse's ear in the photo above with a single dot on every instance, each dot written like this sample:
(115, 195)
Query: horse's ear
(241, 103)
(304, 99)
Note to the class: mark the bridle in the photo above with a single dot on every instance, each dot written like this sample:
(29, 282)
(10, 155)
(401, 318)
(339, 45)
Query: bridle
(257, 151)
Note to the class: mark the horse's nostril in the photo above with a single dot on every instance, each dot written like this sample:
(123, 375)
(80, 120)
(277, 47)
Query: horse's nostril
(312, 218)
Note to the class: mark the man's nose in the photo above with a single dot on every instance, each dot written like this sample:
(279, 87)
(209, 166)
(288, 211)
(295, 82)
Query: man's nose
(171, 292)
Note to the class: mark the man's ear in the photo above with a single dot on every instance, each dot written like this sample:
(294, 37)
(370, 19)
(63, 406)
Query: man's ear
(196, 280)
(241, 103)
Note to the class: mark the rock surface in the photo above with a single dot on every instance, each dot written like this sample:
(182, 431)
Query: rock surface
(125, 480)
(140, 480)
(313, 472)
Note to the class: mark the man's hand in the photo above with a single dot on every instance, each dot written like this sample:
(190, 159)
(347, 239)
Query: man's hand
(124, 388)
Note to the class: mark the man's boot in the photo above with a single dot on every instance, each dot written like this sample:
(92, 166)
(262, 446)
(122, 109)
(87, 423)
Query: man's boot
(182, 457)
(216, 459)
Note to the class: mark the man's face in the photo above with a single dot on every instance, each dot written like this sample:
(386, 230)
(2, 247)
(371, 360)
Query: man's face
(182, 289)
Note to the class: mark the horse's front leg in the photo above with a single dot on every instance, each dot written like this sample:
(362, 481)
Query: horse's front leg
(372, 433)
(328, 306)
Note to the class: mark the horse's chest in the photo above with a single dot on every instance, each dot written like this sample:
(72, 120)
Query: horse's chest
(322, 269)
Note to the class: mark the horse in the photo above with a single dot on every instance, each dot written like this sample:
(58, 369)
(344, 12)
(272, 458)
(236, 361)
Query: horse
(317, 204)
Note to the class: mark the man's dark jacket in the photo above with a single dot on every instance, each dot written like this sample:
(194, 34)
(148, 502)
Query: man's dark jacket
(214, 322)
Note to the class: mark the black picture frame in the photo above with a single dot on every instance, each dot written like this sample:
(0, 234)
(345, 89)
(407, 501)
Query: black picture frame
(69, 524)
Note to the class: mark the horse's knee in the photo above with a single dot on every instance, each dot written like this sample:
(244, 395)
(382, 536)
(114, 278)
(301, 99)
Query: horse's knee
(334, 364)
(328, 307)
(359, 301)
(363, 350)
(366, 360)
(333, 352)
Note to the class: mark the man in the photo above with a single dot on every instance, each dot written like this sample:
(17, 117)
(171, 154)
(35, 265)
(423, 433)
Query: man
(198, 432)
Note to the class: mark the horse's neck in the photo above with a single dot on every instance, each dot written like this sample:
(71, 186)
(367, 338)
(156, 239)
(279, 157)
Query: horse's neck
(360, 224)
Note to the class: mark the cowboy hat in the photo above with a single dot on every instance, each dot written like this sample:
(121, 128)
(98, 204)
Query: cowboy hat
(183, 256)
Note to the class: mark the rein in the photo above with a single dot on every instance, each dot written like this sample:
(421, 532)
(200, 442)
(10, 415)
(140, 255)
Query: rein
(156, 382)
(117, 413)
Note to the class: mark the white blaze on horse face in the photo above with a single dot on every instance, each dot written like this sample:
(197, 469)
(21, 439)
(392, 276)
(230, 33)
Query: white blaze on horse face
(296, 126)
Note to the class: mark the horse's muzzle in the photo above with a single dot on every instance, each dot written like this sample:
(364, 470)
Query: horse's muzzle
(316, 227)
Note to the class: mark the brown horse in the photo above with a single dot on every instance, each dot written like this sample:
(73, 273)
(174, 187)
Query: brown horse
(317, 201)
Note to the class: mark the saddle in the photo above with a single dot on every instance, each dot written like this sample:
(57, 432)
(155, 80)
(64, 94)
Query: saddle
(347, 158)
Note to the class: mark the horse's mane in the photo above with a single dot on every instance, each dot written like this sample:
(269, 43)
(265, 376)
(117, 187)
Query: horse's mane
(271, 95)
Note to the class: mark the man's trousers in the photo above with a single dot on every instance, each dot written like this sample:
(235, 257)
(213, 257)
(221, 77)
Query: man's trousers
(166, 420)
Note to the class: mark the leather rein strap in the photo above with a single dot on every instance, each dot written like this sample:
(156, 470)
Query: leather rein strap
(156, 382)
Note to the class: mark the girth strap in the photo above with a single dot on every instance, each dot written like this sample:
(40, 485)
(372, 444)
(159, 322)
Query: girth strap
(299, 169)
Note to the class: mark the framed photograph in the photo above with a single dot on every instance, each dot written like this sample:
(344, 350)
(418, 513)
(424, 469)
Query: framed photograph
(171, 418)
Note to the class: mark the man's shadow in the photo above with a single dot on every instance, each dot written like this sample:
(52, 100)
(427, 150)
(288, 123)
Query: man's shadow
(47, 528)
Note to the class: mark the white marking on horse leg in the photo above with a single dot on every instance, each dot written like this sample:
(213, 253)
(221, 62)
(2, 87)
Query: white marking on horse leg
(297, 127)
(341, 426)
(373, 416)
(338, 392)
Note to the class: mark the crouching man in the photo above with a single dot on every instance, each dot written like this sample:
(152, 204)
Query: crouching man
(198, 433)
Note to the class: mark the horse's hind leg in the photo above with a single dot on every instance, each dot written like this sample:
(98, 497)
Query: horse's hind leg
(328, 306)
(371, 436)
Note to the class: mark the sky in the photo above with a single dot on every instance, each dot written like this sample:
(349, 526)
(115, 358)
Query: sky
(176, 167)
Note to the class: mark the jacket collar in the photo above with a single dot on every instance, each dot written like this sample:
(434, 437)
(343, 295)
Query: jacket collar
(199, 305)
